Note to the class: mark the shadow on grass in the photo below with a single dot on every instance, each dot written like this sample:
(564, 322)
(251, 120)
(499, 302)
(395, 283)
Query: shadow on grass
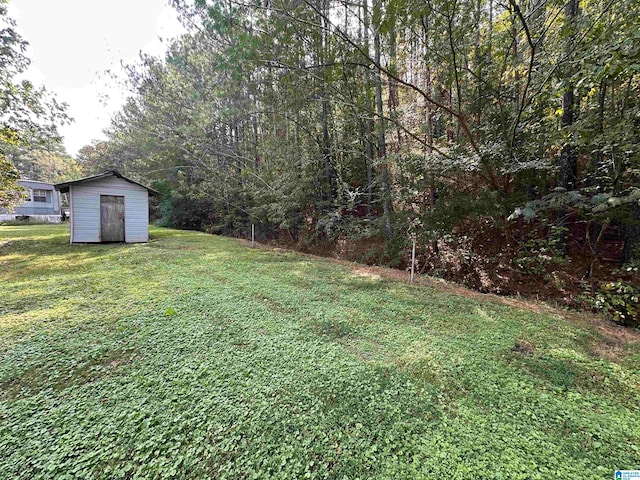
(39, 377)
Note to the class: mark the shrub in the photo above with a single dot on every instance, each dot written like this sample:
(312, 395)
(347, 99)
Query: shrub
(619, 301)
(537, 254)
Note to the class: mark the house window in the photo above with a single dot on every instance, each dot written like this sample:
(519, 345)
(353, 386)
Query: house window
(41, 196)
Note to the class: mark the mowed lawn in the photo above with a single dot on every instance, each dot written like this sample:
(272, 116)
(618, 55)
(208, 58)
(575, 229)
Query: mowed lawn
(194, 356)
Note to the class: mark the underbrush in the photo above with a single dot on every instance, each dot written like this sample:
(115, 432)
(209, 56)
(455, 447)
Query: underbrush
(552, 264)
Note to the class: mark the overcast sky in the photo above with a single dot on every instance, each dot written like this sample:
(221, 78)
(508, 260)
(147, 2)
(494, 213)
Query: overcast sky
(74, 42)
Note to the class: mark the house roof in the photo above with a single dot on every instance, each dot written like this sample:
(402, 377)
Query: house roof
(25, 182)
(64, 186)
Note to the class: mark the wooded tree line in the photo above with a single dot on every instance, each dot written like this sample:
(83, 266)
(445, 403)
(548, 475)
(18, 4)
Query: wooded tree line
(30, 145)
(503, 135)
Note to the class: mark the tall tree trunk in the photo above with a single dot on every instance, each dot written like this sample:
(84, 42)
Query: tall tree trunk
(596, 159)
(568, 165)
(329, 192)
(516, 59)
(382, 145)
(394, 100)
(631, 249)
(429, 133)
(369, 127)
(477, 58)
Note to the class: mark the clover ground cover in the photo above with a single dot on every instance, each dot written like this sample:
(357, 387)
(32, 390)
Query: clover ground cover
(194, 356)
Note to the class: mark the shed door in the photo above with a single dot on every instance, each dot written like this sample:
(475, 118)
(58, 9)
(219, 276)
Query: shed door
(111, 218)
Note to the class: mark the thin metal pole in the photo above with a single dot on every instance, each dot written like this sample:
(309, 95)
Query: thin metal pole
(253, 233)
(413, 259)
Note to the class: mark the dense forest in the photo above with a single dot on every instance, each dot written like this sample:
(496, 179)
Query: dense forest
(502, 136)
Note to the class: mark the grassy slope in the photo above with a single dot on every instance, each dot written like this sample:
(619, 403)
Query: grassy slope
(195, 356)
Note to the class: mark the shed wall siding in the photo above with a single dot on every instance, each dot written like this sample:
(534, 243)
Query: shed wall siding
(85, 209)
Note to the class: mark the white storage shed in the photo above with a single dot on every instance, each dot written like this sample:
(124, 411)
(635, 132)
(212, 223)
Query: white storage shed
(107, 208)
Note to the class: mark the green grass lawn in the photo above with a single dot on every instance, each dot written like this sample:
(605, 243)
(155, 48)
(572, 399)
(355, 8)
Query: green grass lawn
(194, 356)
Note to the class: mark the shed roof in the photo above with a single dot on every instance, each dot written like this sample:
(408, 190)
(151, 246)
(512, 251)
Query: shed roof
(64, 186)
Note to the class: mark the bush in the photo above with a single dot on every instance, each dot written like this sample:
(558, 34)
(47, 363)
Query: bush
(537, 254)
(619, 301)
(191, 213)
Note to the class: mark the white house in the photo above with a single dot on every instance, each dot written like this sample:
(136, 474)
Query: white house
(41, 203)
(107, 208)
